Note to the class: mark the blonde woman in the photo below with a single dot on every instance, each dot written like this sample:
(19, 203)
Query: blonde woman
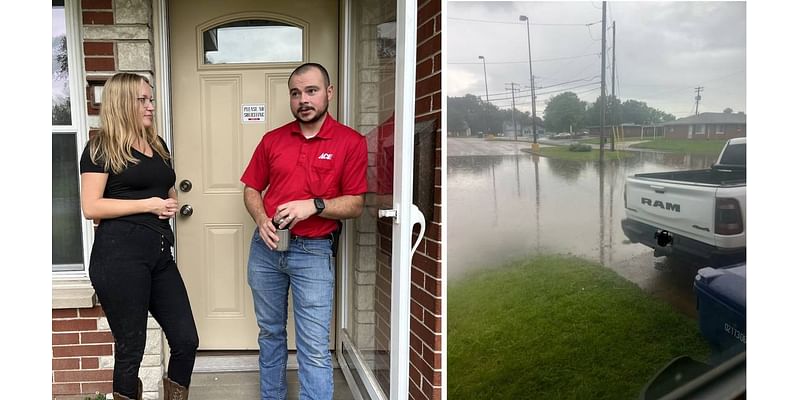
(127, 183)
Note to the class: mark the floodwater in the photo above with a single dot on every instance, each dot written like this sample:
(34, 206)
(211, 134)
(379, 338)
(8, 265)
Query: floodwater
(507, 207)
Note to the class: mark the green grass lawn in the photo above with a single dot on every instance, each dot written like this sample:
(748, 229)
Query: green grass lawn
(684, 145)
(559, 327)
(563, 152)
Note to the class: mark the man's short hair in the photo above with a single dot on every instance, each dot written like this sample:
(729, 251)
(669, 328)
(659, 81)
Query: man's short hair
(307, 66)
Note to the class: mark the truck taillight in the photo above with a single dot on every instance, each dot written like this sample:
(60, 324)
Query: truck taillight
(728, 219)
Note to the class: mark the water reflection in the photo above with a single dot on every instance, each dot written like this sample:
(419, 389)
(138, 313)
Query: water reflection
(506, 207)
(537, 188)
(601, 186)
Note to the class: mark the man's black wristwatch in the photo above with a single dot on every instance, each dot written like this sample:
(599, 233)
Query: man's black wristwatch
(319, 204)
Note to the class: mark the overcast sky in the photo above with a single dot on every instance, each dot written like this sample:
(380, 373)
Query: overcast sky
(663, 51)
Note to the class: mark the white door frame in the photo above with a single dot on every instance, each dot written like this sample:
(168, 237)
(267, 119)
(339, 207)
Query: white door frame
(403, 174)
(162, 71)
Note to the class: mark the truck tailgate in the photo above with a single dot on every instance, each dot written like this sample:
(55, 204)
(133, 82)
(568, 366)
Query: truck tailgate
(684, 209)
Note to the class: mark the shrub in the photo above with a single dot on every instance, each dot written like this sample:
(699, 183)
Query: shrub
(581, 147)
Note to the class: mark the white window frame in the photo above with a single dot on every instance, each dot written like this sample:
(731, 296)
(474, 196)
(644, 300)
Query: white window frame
(720, 129)
(77, 92)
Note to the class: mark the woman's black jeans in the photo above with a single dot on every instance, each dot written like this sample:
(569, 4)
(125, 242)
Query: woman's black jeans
(133, 272)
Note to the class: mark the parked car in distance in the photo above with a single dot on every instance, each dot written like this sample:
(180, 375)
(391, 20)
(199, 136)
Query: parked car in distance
(562, 135)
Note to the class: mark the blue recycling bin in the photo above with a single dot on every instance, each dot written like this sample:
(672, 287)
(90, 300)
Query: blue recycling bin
(721, 307)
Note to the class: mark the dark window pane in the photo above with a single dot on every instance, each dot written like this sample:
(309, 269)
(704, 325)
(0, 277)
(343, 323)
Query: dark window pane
(61, 107)
(67, 236)
(253, 41)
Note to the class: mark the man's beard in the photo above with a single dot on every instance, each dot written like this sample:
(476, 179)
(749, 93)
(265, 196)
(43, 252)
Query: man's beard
(316, 117)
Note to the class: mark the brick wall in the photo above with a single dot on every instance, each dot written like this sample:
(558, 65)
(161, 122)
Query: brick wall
(83, 355)
(117, 37)
(80, 340)
(425, 369)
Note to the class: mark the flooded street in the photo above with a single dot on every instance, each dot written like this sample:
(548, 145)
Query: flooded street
(509, 204)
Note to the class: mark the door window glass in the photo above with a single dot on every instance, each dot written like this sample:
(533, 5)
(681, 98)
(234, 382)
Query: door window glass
(253, 41)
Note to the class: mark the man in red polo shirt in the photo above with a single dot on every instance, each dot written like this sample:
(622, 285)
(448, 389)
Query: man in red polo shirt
(314, 171)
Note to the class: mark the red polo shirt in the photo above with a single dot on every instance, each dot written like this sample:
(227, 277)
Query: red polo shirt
(331, 164)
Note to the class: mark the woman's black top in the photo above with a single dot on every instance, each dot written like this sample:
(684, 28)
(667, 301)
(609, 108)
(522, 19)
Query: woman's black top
(150, 177)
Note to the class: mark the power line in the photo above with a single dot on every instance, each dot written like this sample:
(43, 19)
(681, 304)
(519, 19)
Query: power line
(545, 92)
(582, 70)
(588, 90)
(539, 112)
(517, 23)
(521, 62)
(553, 91)
(562, 83)
(545, 87)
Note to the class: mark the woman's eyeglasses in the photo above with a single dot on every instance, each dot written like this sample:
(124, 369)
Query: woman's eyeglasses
(144, 100)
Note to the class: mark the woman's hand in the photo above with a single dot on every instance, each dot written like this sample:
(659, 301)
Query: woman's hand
(163, 208)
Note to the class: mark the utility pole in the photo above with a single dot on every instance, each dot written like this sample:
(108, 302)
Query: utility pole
(513, 108)
(697, 99)
(614, 120)
(530, 68)
(603, 88)
(485, 82)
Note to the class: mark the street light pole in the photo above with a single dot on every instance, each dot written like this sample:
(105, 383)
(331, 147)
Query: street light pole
(485, 83)
(530, 68)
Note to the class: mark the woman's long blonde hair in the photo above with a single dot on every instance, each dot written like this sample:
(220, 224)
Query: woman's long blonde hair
(121, 124)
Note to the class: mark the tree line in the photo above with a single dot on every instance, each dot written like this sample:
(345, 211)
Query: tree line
(563, 111)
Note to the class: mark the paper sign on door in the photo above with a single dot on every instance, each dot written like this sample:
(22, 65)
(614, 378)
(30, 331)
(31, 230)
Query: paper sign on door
(254, 113)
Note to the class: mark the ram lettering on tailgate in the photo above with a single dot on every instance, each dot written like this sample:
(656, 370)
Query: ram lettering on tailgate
(660, 204)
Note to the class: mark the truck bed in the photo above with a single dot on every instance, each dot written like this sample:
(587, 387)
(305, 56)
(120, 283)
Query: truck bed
(710, 176)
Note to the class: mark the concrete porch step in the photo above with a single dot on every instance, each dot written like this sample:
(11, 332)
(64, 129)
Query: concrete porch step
(234, 376)
(244, 386)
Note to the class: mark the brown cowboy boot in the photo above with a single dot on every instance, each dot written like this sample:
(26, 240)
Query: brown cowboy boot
(118, 396)
(174, 391)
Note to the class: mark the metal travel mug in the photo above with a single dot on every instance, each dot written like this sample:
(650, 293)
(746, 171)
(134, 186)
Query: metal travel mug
(283, 237)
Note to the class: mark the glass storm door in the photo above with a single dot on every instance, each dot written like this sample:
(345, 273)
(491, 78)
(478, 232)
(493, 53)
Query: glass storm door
(374, 289)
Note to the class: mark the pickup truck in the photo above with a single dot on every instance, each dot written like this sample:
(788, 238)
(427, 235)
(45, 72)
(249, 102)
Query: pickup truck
(698, 216)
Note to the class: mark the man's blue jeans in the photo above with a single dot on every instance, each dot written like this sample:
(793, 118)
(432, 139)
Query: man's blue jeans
(307, 267)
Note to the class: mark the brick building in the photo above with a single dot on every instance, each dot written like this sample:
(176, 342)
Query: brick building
(707, 126)
(385, 62)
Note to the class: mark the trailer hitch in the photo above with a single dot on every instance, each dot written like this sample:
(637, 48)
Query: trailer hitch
(663, 238)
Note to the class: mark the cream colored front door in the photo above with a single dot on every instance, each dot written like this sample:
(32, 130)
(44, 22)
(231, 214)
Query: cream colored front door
(230, 62)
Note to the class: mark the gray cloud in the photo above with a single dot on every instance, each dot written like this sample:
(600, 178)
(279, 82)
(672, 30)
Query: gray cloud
(664, 50)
